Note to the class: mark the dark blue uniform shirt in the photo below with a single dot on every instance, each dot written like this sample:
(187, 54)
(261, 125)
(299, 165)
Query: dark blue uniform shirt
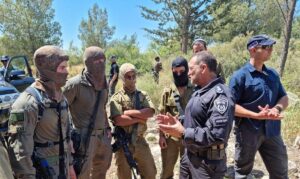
(208, 116)
(252, 88)
(114, 68)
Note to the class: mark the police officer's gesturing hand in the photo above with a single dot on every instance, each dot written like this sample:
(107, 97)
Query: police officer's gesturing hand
(170, 125)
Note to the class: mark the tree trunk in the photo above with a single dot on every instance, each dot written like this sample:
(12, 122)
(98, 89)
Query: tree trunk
(287, 35)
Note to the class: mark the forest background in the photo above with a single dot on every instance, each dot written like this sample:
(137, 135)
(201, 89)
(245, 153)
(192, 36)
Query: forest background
(25, 25)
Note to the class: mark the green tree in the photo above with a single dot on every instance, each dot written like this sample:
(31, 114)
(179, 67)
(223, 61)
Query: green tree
(239, 17)
(178, 20)
(296, 28)
(95, 31)
(26, 25)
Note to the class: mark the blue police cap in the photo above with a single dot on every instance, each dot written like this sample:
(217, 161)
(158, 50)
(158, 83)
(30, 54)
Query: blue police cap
(259, 40)
(200, 40)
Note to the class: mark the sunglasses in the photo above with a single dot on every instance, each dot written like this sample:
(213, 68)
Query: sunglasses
(265, 47)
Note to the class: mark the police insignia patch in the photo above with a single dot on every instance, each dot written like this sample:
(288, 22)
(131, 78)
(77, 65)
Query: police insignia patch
(221, 104)
(219, 89)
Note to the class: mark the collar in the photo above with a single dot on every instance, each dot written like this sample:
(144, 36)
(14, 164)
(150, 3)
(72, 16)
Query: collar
(210, 85)
(251, 68)
(84, 79)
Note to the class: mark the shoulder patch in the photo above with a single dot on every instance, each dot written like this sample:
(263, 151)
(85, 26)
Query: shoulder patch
(219, 89)
(16, 117)
(221, 104)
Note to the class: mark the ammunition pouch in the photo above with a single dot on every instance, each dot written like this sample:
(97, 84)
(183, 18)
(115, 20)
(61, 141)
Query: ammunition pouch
(43, 170)
(215, 152)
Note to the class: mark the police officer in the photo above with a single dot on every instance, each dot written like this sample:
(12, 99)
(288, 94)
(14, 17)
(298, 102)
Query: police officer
(113, 75)
(208, 121)
(4, 60)
(39, 125)
(199, 45)
(82, 92)
(260, 99)
(173, 101)
(125, 115)
(156, 69)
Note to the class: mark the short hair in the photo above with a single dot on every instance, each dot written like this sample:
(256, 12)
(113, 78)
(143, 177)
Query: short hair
(208, 59)
(157, 58)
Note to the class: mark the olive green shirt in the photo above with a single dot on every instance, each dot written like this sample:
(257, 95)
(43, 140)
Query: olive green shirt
(82, 96)
(122, 101)
(25, 129)
(167, 101)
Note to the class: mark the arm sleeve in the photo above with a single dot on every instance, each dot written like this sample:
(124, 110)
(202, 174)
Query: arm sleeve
(216, 128)
(236, 86)
(147, 103)
(70, 91)
(162, 104)
(22, 124)
(115, 107)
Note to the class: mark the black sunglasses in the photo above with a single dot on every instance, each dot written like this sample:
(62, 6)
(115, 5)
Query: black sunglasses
(265, 47)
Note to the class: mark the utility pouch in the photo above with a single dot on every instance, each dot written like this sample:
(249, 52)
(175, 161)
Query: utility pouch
(216, 152)
(43, 170)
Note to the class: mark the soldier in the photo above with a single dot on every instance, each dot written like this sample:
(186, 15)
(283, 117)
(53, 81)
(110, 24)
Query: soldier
(260, 99)
(39, 128)
(124, 114)
(156, 69)
(113, 75)
(173, 101)
(199, 45)
(82, 92)
(208, 121)
(5, 168)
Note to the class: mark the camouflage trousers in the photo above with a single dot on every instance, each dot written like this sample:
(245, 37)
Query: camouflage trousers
(142, 155)
(5, 168)
(99, 156)
(169, 157)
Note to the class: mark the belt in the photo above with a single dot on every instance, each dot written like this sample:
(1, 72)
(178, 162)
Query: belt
(203, 152)
(46, 144)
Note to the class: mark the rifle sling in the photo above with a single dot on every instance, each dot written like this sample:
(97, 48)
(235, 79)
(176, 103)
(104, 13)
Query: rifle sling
(92, 122)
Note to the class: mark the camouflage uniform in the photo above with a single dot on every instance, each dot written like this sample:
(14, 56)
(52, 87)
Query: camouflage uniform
(40, 121)
(81, 92)
(156, 69)
(25, 130)
(169, 155)
(140, 150)
(81, 96)
(5, 168)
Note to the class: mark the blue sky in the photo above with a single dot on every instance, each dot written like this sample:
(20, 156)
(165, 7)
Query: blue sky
(123, 14)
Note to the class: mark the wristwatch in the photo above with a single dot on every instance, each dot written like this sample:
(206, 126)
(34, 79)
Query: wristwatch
(279, 108)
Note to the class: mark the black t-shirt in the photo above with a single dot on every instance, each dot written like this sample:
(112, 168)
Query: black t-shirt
(113, 70)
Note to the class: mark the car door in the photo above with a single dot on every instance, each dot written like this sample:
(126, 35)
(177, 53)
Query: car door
(18, 73)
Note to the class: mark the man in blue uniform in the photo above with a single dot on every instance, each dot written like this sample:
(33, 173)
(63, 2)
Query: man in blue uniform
(209, 115)
(113, 75)
(260, 98)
